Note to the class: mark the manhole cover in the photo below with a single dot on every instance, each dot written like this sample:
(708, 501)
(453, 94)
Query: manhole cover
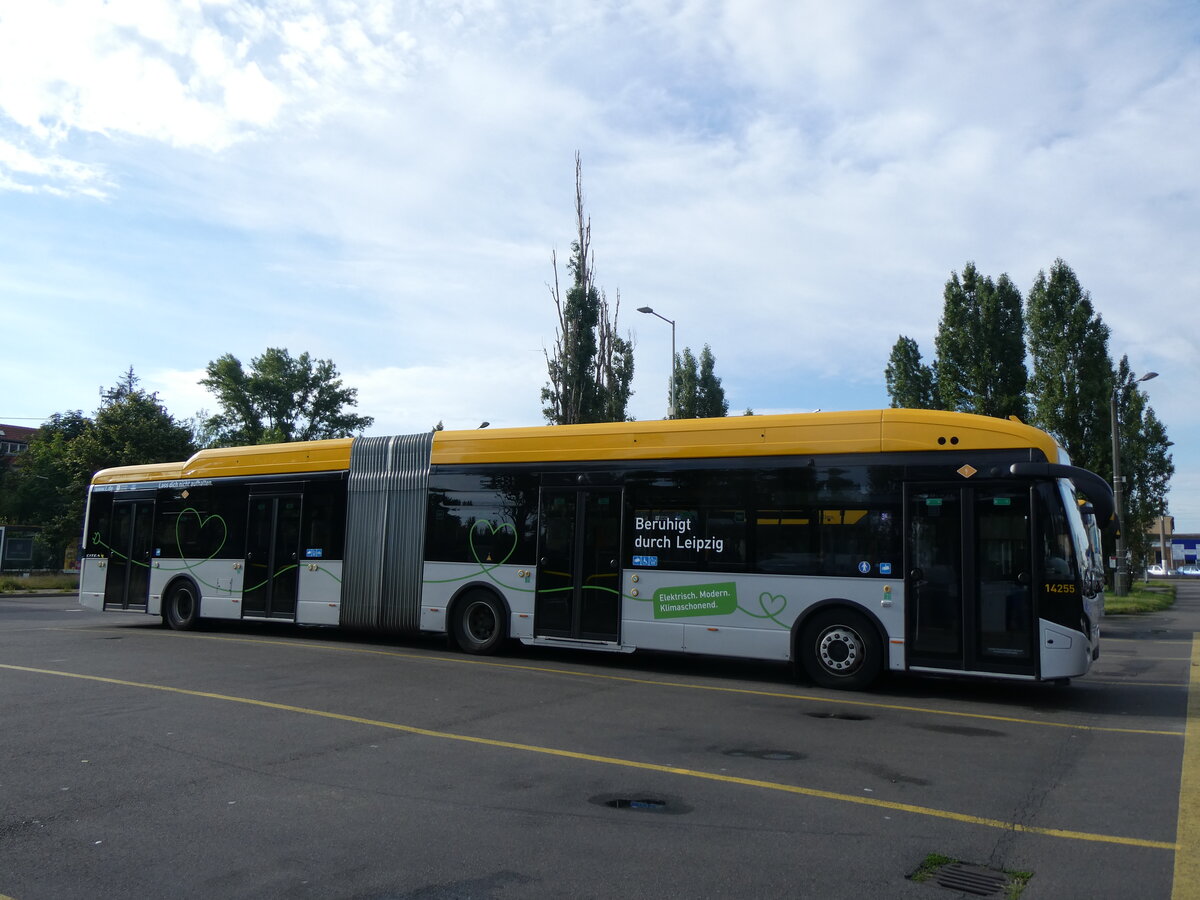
(847, 716)
(650, 804)
(782, 755)
(642, 802)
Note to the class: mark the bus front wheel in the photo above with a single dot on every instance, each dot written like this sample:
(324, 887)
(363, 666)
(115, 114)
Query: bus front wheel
(181, 606)
(480, 623)
(841, 649)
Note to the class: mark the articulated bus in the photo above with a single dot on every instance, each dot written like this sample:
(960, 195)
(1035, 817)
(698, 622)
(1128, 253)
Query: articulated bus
(847, 543)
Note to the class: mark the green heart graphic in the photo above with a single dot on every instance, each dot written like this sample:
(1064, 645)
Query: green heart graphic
(495, 529)
(772, 604)
(202, 523)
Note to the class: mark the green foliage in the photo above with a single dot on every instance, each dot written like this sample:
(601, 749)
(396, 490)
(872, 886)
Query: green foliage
(1151, 597)
(67, 584)
(980, 365)
(910, 383)
(980, 368)
(710, 395)
(698, 392)
(281, 398)
(1072, 375)
(591, 370)
(686, 385)
(1146, 464)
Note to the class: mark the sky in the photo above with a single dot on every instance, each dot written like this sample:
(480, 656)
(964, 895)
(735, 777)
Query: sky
(383, 185)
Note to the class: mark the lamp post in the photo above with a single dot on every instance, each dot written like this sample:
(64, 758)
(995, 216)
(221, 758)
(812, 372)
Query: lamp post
(671, 322)
(1121, 576)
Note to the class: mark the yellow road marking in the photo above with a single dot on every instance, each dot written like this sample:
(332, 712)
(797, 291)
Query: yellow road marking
(628, 763)
(1186, 882)
(574, 673)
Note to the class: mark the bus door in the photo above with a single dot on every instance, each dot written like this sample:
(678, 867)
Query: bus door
(272, 571)
(578, 578)
(127, 584)
(969, 601)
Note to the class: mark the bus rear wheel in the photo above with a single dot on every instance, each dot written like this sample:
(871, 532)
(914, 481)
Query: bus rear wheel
(480, 623)
(840, 648)
(181, 606)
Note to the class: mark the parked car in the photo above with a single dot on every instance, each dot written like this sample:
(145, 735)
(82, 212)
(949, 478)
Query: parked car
(1157, 570)
(1188, 570)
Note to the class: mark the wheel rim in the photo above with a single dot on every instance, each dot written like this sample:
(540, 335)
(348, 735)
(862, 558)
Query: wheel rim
(481, 623)
(183, 605)
(841, 650)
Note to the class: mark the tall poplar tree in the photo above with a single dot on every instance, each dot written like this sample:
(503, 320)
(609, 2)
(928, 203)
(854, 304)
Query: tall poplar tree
(980, 366)
(710, 395)
(1146, 464)
(686, 380)
(698, 391)
(910, 383)
(1072, 377)
(591, 370)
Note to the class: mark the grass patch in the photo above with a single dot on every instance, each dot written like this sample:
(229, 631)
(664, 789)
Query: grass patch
(1143, 597)
(13, 584)
(1016, 884)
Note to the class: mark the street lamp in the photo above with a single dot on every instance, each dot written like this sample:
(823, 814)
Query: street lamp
(1121, 576)
(649, 311)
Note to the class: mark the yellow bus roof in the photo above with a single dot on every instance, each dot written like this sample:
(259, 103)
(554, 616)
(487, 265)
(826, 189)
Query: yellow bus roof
(804, 434)
(229, 462)
(871, 431)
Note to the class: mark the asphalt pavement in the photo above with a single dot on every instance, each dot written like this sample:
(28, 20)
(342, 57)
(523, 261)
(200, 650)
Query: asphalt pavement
(244, 761)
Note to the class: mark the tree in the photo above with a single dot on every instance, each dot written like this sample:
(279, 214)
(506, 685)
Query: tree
(279, 399)
(591, 370)
(698, 392)
(47, 489)
(687, 381)
(980, 366)
(1145, 463)
(131, 427)
(1072, 376)
(910, 383)
(710, 395)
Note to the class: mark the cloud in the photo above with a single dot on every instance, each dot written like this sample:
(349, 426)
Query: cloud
(382, 184)
(198, 75)
(24, 171)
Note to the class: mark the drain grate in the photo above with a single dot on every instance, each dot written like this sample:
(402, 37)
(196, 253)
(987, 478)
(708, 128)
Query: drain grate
(974, 880)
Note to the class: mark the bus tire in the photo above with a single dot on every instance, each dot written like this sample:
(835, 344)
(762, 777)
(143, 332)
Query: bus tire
(841, 649)
(480, 622)
(181, 606)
